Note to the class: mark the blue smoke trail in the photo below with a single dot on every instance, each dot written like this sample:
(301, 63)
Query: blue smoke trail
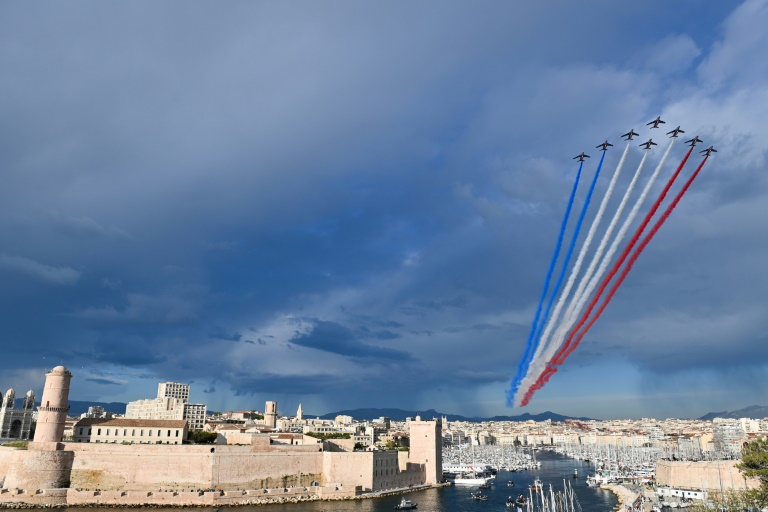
(559, 282)
(522, 368)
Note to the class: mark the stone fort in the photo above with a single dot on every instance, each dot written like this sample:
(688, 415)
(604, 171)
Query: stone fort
(271, 467)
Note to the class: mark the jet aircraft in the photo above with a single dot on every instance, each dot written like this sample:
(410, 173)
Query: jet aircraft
(581, 157)
(647, 145)
(676, 131)
(709, 150)
(694, 141)
(656, 122)
(604, 145)
(630, 134)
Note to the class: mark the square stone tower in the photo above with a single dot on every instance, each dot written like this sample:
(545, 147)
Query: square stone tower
(427, 447)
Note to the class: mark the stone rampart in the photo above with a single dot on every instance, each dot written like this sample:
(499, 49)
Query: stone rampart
(6, 455)
(707, 475)
(182, 467)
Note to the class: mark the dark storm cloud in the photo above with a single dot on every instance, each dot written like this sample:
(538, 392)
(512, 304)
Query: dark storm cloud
(339, 339)
(222, 334)
(105, 382)
(127, 350)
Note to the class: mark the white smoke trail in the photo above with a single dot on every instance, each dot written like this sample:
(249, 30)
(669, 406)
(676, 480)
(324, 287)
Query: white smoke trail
(603, 264)
(577, 266)
(569, 316)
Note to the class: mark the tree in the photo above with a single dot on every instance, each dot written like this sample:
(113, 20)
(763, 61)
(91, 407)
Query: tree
(754, 464)
(202, 437)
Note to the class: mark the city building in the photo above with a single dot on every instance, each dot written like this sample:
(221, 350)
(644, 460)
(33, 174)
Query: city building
(172, 403)
(16, 423)
(130, 431)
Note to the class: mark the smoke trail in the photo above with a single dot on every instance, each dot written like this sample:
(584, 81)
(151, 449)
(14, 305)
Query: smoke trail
(626, 251)
(543, 342)
(569, 253)
(545, 377)
(582, 298)
(523, 366)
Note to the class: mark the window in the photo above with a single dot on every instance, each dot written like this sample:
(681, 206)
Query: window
(169, 433)
(125, 432)
(133, 432)
(177, 433)
(81, 431)
(107, 431)
(98, 432)
(150, 432)
(142, 432)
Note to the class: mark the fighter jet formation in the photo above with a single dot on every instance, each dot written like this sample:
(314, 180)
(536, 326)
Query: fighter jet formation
(557, 332)
(647, 145)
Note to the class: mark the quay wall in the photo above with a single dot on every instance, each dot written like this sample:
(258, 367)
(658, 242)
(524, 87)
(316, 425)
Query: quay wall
(74, 497)
(707, 475)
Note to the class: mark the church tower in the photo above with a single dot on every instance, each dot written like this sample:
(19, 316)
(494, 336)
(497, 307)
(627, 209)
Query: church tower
(270, 414)
(299, 414)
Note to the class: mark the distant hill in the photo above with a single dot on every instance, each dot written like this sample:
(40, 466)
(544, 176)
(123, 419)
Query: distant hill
(400, 415)
(752, 411)
(77, 408)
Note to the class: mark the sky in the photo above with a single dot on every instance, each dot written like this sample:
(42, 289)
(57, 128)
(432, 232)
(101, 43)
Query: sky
(354, 204)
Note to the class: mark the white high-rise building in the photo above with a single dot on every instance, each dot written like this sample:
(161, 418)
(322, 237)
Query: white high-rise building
(171, 404)
(173, 390)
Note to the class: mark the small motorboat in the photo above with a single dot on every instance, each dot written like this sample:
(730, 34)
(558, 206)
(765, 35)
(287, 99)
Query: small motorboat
(511, 502)
(486, 485)
(479, 496)
(405, 505)
(510, 484)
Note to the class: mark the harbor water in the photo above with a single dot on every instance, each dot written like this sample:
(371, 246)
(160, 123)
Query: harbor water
(554, 470)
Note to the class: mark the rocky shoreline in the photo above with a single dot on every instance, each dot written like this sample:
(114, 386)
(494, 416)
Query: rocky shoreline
(262, 500)
(624, 495)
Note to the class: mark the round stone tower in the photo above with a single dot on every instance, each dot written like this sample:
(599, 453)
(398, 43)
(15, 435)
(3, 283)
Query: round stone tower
(46, 464)
(53, 406)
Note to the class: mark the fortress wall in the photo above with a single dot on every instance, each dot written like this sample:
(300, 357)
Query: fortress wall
(710, 475)
(352, 468)
(169, 467)
(39, 469)
(248, 470)
(6, 455)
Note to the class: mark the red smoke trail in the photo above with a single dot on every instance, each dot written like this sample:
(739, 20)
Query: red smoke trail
(566, 350)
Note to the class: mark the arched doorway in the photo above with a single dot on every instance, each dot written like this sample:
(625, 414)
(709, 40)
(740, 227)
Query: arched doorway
(15, 432)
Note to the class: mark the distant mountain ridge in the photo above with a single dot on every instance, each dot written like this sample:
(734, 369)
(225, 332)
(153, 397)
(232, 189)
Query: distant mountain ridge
(751, 411)
(76, 408)
(401, 415)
